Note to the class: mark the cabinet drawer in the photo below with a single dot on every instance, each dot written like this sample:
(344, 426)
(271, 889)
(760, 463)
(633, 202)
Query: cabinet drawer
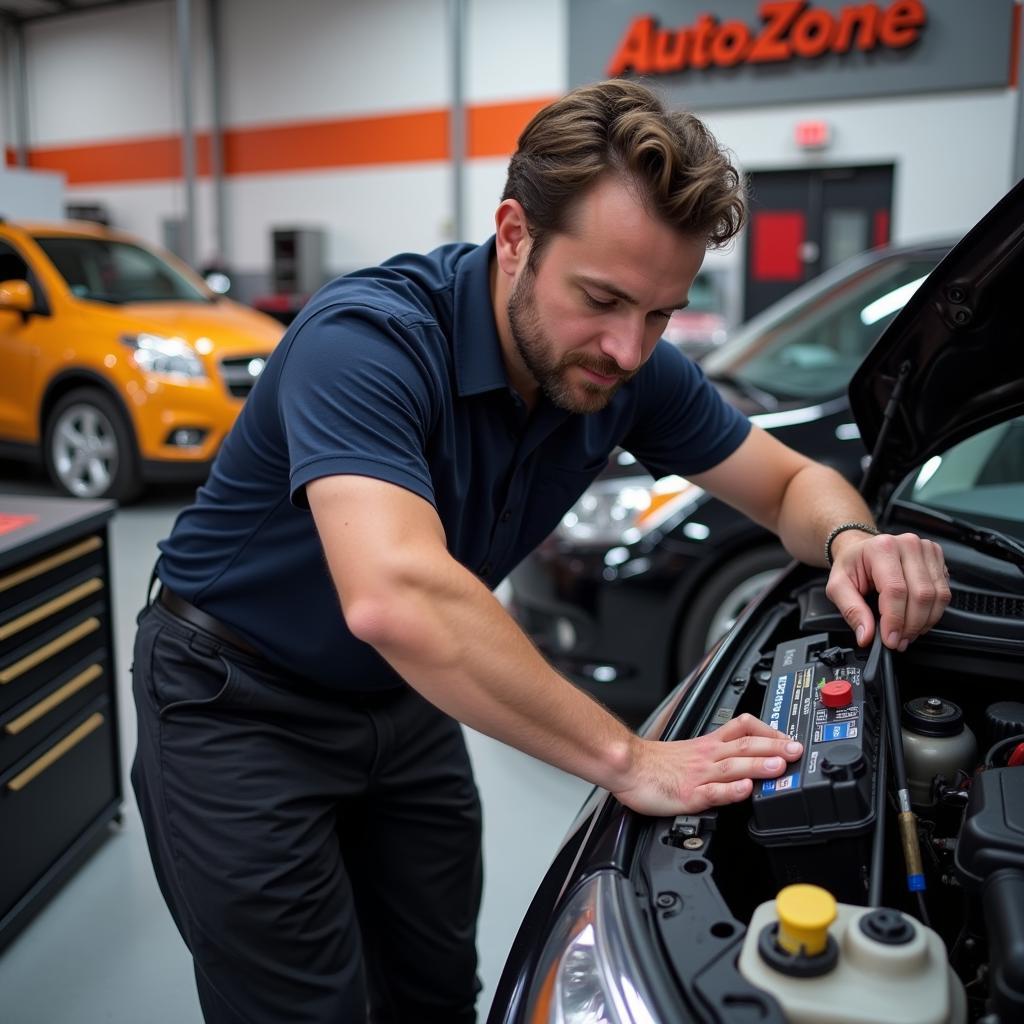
(31, 578)
(22, 625)
(34, 665)
(31, 721)
(51, 796)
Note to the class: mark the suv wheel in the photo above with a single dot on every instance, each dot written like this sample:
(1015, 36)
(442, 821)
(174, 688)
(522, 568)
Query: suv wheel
(89, 448)
(727, 591)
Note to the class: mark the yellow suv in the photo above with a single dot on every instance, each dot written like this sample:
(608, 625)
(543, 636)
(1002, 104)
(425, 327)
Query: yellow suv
(118, 366)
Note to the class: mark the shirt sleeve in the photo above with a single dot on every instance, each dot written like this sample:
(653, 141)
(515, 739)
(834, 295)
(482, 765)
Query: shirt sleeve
(683, 424)
(357, 395)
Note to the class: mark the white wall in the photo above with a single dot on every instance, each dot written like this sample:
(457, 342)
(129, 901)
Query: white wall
(31, 195)
(113, 75)
(953, 153)
(508, 58)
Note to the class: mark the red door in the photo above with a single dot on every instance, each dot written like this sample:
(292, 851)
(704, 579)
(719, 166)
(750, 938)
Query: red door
(803, 222)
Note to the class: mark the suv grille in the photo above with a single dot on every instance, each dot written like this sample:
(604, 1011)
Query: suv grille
(240, 373)
(998, 606)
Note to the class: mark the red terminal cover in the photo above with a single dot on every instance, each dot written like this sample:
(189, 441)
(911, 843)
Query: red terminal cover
(838, 693)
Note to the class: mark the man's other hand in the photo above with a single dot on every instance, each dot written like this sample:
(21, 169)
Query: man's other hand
(909, 575)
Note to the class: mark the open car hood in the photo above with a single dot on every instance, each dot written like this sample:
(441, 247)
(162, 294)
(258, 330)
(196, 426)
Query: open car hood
(952, 362)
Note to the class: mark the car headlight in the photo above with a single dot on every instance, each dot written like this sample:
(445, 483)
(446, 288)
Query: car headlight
(624, 510)
(588, 972)
(170, 357)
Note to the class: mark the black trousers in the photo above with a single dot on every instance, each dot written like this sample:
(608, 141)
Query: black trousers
(320, 854)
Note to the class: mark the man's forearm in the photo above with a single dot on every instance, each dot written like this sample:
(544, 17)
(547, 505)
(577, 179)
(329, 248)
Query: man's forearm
(447, 635)
(816, 501)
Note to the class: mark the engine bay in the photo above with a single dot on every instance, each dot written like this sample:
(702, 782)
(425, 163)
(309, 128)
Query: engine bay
(924, 837)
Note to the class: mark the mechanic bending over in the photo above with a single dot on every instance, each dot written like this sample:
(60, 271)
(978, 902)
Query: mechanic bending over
(301, 773)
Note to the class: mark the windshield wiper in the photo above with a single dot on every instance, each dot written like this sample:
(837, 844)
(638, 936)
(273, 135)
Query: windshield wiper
(987, 541)
(764, 398)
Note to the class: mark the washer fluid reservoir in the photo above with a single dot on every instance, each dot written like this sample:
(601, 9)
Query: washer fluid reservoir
(833, 963)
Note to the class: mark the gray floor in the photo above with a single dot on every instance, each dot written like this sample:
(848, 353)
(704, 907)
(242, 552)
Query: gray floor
(105, 950)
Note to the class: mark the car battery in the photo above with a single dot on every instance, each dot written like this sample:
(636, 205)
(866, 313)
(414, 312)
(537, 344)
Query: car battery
(815, 820)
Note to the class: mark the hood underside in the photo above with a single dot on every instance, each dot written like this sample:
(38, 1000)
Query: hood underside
(952, 362)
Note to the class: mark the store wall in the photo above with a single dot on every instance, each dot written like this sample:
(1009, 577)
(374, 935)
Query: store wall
(104, 89)
(105, 100)
(30, 195)
(953, 154)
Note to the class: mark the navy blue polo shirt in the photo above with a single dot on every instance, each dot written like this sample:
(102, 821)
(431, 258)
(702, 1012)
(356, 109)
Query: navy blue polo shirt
(396, 373)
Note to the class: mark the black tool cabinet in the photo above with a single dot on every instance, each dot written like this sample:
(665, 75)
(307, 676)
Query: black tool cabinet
(60, 778)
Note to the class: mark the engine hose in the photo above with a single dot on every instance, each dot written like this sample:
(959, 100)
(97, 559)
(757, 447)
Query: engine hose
(878, 839)
(880, 662)
(997, 749)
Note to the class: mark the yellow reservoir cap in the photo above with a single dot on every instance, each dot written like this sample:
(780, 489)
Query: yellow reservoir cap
(805, 912)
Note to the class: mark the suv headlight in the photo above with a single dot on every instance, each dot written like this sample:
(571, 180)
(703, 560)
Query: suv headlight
(588, 972)
(626, 509)
(170, 357)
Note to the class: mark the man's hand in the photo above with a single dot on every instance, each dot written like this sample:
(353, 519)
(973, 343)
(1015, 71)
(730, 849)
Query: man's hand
(909, 574)
(688, 776)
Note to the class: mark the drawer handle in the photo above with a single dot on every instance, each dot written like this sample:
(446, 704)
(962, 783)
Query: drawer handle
(69, 689)
(72, 636)
(8, 629)
(60, 558)
(55, 753)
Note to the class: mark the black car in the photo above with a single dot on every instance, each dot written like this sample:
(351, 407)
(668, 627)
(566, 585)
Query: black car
(643, 576)
(731, 915)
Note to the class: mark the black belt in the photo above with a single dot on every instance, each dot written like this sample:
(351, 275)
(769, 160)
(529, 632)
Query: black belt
(207, 623)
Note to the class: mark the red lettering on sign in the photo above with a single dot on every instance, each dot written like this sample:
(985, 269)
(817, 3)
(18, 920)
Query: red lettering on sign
(703, 35)
(865, 19)
(791, 28)
(771, 44)
(813, 33)
(732, 44)
(634, 52)
(671, 50)
(902, 23)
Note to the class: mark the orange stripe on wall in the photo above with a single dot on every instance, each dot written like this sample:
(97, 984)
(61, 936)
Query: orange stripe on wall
(138, 160)
(492, 130)
(401, 138)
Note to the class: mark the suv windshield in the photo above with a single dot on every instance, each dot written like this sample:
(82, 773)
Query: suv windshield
(980, 479)
(811, 346)
(117, 272)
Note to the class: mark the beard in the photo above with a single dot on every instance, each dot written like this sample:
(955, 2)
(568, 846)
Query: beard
(551, 372)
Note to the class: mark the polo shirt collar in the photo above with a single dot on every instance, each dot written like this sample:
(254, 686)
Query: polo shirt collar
(477, 349)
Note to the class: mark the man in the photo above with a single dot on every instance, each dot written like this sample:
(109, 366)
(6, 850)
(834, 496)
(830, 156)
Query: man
(301, 773)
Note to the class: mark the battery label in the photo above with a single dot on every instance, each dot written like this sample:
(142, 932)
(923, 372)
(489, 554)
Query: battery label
(776, 785)
(792, 709)
(837, 731)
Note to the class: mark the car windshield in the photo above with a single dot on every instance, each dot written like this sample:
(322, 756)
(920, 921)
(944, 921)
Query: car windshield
(810, 346)
(980, 479)
(117, 272)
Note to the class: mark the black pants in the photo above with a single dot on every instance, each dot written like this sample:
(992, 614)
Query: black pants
(320, 854)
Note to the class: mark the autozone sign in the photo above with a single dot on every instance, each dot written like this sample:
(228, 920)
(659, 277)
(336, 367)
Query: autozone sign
(788, 30)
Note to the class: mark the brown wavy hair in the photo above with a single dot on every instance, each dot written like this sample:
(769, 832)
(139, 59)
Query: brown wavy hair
(621, 127)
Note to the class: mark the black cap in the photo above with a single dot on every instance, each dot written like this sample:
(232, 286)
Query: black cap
(1004, 719)
(932, 716)
(889, 927)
